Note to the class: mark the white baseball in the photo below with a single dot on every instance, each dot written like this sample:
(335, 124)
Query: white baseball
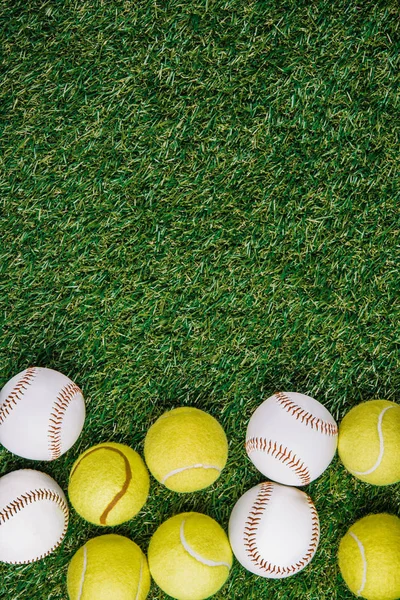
(33, 516)
(291, 438)
(41, 414)
(274, 530)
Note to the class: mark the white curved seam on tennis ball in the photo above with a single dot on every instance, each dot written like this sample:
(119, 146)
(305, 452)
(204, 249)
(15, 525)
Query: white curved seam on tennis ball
(198, 557)
(83, 572)
(140, 578)
(381, 445)
(199, 466)
(364, 562)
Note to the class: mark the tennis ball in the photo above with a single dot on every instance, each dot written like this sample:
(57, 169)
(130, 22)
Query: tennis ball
(190, 556)
(186, 449)
(108, 567)
(369, 557)
(109, 484)
(369, 442)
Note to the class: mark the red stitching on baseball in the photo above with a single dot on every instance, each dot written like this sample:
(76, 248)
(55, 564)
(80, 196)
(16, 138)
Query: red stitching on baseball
(250, 532)
(282, 454)
(33, 496)
(61, 404)
(16, 393)
(304, 416)
(315, 531)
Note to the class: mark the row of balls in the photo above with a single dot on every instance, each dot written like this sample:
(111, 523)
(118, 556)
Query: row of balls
(42, 413)
(291, 438)
(368, 443)
(189, 554)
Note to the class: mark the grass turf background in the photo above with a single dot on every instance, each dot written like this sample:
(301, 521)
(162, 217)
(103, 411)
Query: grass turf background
(199, 207)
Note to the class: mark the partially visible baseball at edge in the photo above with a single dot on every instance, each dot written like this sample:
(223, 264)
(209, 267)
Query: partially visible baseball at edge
(33, 516)
(42, 413)
(291, 438)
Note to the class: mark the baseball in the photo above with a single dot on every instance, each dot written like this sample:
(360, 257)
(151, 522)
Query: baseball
(41, 414)
(274, 530)
(291, 438)
(33, 516)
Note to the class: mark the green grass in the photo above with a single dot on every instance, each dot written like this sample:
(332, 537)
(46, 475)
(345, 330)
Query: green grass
(200, 206)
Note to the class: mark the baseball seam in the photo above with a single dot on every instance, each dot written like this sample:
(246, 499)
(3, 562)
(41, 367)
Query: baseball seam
(305, 417)
(198, 466)
(381, 445)
(364, 562)
(195, 555)
(250, 534)
(281, 453)
(17, 393)
(28, 498)
(64, 398)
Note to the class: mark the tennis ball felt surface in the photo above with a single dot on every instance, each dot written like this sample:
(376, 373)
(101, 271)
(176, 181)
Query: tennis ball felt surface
(190, 556)
(108, 567)
(108, 484)
(369, 557)
(369, 442)
(186, 449)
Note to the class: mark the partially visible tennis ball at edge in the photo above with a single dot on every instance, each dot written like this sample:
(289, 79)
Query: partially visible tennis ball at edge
(369, 442)
(109, 484)
(186, 449)
(108, 567)
(190, 556)
(369, 557)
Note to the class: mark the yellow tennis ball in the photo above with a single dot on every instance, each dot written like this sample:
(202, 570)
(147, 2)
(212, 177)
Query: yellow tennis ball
(108, 484)
(190, 556)
(186, 449)
(369, 442)
(369, 557)
(108, 567)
